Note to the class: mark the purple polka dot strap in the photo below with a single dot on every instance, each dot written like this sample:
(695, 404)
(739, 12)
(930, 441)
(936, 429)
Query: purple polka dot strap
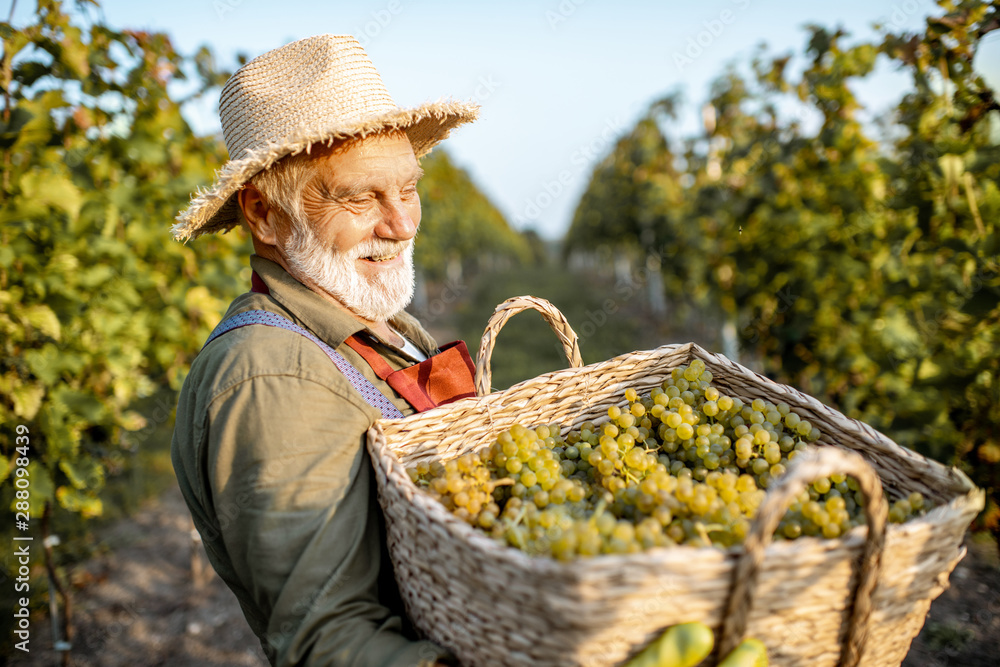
(368, 391)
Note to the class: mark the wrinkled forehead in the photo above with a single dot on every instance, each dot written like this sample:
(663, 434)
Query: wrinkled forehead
(365, 144)
(384, 157)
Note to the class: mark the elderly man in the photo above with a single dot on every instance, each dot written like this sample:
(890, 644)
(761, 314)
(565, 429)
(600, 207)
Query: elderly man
(268, 446)
(269, 440)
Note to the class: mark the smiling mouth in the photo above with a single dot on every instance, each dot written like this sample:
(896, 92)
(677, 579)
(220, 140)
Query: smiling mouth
(381, 258)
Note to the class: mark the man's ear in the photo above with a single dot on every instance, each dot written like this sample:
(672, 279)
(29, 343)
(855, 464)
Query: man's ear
(260, 217)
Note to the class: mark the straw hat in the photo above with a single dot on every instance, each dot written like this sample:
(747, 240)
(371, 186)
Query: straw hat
(317, 89)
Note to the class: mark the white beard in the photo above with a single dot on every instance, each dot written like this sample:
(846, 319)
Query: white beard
(377, 299)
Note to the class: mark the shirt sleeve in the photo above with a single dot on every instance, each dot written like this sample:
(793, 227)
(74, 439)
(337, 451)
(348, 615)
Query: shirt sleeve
(292, 484)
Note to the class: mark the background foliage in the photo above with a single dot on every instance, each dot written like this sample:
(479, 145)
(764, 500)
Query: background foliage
(864, 269)
(859, 262)
(98, 307)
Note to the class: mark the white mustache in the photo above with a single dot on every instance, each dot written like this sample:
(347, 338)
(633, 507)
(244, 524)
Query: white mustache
(379, 249)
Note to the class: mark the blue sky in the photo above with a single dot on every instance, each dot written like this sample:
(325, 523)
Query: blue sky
(558, 80)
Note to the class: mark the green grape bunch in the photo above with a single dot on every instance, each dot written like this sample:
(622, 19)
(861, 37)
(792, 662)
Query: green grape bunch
(682, 465)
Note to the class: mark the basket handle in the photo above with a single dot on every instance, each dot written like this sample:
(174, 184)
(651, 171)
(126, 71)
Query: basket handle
(802, 471)
(502, 313)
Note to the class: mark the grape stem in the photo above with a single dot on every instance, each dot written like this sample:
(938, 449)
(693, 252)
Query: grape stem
(599, 510)
(704, 530)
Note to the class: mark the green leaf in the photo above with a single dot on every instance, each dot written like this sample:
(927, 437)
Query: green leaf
(27, 400)
(74, 53)
(62, 437)
(133, 421)
(83, 473)
(81, 404)
(30, 71)
(44, 363)
(75, 500)
(53, 190)
(43, 319)
(14, 39)
(10, 130)
(952, 168)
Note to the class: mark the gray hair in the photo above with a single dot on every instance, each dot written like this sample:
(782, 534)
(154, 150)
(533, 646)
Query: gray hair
(281, 184)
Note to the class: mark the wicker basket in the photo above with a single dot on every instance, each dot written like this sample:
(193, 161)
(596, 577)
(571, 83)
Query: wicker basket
(810, 600)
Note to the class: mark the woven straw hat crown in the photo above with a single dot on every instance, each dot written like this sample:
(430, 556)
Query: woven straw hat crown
(317, 89)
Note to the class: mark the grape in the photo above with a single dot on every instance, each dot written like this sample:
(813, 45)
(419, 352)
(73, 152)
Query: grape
(822, 485)
(760, 466)
(683, 464)
(792, 529)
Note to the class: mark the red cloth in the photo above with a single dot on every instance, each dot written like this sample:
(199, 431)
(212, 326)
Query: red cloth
(445, 377)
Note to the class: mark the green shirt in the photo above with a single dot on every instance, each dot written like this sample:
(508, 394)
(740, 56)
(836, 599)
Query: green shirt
(269, 450)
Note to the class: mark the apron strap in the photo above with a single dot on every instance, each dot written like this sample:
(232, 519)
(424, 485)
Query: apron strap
(368, 391)
(379, 365)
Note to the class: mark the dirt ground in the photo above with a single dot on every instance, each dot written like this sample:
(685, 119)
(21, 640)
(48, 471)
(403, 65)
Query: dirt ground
(136, 605)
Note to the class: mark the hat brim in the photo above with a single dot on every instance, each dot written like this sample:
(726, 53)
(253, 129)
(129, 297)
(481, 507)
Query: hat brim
(216, 209)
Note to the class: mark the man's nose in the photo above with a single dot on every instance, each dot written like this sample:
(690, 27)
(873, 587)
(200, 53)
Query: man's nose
(398, 221)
